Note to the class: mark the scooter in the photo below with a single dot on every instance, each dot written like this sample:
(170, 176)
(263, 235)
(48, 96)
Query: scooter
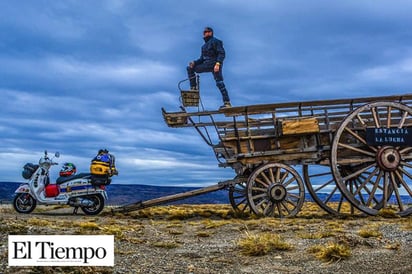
(81, 190)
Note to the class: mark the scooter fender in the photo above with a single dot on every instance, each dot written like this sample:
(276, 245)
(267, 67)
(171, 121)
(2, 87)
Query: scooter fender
(24, 188)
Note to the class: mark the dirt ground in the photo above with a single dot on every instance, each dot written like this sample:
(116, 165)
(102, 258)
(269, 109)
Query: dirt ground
(206, 239)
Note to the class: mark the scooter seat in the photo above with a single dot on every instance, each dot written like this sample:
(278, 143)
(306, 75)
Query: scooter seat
(62, 180)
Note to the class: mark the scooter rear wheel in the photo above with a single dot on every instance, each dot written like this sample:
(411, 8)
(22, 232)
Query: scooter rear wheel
(24, 203)
(97, 207)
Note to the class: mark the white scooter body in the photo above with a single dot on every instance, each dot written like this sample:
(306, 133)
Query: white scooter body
(76, 191)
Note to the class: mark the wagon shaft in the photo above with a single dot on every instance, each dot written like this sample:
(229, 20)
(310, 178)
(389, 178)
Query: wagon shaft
(175, 197)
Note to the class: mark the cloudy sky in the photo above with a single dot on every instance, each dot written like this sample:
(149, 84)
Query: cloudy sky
(76, 76)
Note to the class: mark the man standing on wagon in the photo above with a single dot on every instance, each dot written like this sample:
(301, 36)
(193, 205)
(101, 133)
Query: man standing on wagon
(211, 60)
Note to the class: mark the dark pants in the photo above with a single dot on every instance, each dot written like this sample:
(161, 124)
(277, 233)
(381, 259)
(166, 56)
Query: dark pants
(208, 67)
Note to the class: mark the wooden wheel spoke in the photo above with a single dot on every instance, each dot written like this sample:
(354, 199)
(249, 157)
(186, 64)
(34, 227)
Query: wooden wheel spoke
(359, 138)
(261, 182)
(292, 187)
(241, 201)
(259, 189)
(375, 117)
(369, 192)
(405, 150)
(320, 174)
(395, 188)
(367, 180)
(272, 176)
(294, 203)
(238, 197)
(243, 207)
(361, 198)
(385, 188)
(357, 173)
(267, 180)
(268, 211)
(389, 117)
(362, 151)
(260, 196)
(260, 203)
(291, 180)
(404, 171)
(294, 195)
(360, 119)
(402, 121)
(406, 164)
(403, 183)
(375, 187)
(324, 185)
(348, 161)
(279, 210)
(330, 195)
(277, 176)
(285, 206)
(340, 204)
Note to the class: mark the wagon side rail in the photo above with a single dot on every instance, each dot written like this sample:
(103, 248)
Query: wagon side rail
(335, 108)
(295, 128)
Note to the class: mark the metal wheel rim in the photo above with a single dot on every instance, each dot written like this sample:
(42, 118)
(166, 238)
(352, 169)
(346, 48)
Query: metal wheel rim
(97, 208)
(24, 204)
(275, 190)
(381, 188)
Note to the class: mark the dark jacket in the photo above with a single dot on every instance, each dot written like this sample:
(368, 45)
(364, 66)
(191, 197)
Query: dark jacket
(212, 51)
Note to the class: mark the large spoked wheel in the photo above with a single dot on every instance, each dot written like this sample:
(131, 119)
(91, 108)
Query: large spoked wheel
(275, 190)
(96, 206)
(24, 203)
(383, 163)
(324, 191)
(238, 198)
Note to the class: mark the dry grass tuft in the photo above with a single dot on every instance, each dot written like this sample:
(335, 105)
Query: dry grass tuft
(261, 244)
(393, 246)
(407, 224)
(203, 234)
(209, 224)
(316, 235)
(39, 222)
(331, 252)
(370, 232)
(175, 232)
(184, 212)
(388, 213)
(88, 226)
(166, 244)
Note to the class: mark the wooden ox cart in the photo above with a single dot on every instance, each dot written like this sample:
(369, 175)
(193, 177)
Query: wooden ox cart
(354, 152)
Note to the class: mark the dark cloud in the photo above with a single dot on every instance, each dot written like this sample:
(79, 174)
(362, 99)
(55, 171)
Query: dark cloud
(78, 76)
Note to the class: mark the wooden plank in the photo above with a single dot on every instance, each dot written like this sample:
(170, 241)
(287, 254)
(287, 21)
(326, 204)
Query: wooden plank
(299, 126)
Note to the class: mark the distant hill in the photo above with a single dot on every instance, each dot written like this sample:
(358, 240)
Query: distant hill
(125, 194)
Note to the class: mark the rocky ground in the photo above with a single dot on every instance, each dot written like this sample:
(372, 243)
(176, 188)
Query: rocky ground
(208, 239)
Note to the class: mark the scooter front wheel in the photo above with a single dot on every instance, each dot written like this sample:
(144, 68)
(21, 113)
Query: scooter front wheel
(97, 207)
(24, 203)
